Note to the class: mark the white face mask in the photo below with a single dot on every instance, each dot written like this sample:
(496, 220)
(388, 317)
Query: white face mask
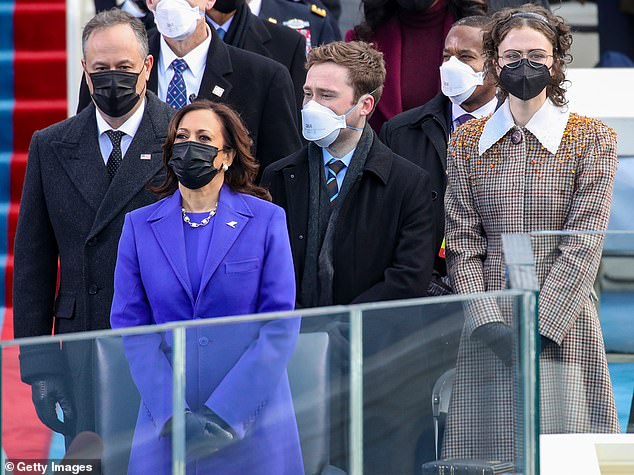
(459, 80)
(321, 125)
(176, 19)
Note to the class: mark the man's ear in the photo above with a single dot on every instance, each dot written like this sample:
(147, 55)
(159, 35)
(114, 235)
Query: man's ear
(367, 105)
(87, 75)
(149, 62)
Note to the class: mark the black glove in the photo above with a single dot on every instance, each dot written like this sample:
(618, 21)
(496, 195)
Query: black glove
(499, 338)
(46, 393)
(205, 433)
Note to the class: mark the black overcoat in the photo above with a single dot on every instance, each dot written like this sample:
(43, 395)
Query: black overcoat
(71, 212)
(383, 242)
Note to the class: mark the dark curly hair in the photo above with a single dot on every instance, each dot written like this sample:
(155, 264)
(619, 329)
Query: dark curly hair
(241, 174)
(377, 13)
(555, 30)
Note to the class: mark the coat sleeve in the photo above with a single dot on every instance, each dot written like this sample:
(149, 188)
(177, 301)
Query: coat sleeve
(409, 274)
(278, 135)
(465, 239)
(569, 282)
(298, 70)
(35, 274)
(259, 370)
(149, 366)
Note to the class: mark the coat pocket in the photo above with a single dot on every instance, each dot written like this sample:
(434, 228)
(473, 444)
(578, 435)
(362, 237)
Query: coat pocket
(250, 265)
(65, 305)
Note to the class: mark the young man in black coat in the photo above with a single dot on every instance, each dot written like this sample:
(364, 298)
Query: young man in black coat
(360, 224)
(83, 175)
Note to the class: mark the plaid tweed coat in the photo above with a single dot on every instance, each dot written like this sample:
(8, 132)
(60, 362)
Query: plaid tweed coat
(510, 187)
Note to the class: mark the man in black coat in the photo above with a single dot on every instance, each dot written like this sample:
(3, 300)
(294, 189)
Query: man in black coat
(83, 175)
(249, 32)
(420, 135)
(258, 88)
(360, 224)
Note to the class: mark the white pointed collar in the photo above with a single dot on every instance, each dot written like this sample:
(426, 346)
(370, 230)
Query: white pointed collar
(547, 125)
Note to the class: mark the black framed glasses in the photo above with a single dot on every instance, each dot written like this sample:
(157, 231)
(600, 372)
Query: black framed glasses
(536, 58)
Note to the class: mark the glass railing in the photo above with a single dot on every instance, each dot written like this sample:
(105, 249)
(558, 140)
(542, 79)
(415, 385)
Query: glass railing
(386, 388)
(586, 354)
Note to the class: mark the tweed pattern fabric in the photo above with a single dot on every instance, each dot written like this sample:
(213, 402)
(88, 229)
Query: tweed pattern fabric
(518, 186)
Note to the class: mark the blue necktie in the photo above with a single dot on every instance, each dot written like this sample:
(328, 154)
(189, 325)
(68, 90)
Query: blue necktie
(221, 33)
(464, 118)
(176, 90)
(334, 166)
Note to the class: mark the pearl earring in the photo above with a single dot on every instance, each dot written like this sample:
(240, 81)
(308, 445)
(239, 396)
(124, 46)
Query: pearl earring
(225, 167)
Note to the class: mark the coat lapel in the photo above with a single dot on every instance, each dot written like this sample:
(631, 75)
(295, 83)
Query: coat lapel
(214, 85)
(231, 218)
(167, 226)
(80, 156)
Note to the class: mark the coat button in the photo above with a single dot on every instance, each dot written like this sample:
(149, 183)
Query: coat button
(92, 241)
(300, 237)
(203, 341)
(93, 289)
(434, 195)
(292, 175)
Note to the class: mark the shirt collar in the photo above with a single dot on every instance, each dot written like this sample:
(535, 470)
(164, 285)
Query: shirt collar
(547, 125)
(129, 127)
(225, 26)
(196, 59)
(346, 159)
(483, 111)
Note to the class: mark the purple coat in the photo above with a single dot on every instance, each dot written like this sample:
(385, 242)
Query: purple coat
(237, 370)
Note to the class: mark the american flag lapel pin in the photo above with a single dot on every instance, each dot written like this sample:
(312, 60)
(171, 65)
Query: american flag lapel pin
(218, 91)
(146, 156)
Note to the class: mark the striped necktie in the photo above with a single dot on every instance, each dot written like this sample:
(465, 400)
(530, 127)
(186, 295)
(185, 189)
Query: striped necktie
(334, 166)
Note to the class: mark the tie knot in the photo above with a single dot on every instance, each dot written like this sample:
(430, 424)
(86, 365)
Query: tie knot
(115, 136)
(179, 65)
(221, 33)
(464, 118)
(335, 165)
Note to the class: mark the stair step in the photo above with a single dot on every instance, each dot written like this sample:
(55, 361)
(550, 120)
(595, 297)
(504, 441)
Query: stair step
(29, 116)
(42, 75)
(39, 25)
(6, 74)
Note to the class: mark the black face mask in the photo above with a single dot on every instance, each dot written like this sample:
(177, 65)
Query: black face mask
(414, 5)
(227, 6)
(525, 81)
(114, 92)
(193, 164)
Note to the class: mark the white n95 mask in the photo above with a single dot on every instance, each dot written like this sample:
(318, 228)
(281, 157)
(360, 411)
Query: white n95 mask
(176, 19)
(321, 125)
(458, 80)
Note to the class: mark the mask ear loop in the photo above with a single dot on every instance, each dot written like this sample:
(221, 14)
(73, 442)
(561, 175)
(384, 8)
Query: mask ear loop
(361, 99)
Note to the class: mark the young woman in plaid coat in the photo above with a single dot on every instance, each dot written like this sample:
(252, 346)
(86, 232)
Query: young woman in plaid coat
(531, 166)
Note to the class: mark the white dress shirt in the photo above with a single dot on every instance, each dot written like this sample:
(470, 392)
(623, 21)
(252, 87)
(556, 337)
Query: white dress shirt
(196, 60)
(547, 125)
(129, 128)
(225, 26)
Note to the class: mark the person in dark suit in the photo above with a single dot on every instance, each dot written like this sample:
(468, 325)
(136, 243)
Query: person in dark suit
(311, 21)
(214, 246)
(243, 29)
(421, 134)
(83, 175)
(361, 229)
(193, 62)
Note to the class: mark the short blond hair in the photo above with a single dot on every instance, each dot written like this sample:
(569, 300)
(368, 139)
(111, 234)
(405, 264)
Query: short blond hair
(365, 65)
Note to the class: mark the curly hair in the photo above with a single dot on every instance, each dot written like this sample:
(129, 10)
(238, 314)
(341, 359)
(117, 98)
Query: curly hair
(241, 174)
(554, 29)
(377, 13)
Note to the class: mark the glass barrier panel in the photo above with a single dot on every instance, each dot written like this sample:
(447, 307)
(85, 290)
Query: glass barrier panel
(586, 355)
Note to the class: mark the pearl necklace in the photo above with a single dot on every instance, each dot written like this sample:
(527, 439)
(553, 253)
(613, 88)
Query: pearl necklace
(204, 222)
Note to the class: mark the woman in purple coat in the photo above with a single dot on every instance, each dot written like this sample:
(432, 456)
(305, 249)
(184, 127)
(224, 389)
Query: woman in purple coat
(214, 246)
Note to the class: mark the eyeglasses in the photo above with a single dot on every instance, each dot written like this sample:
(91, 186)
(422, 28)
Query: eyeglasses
(536, 58)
